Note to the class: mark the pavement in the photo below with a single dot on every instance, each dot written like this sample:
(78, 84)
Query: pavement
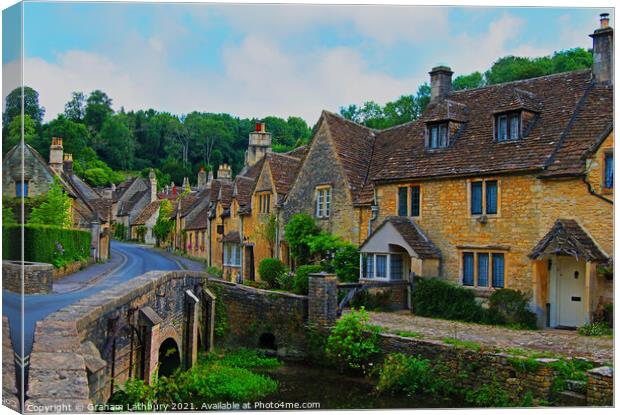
(550, 341)
(127, 261)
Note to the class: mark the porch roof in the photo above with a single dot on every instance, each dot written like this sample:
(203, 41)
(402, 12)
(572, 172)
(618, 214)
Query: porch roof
(232, 237)
(569, 238)
(396, 230)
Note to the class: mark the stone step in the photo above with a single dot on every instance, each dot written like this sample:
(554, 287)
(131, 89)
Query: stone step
(570, 398)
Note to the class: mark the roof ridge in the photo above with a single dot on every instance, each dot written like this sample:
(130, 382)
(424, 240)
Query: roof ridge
(285, 155)
(553, 75)
(350, 121)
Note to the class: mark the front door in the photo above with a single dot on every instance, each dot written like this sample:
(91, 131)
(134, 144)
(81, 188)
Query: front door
(570, 291)
(249, 257)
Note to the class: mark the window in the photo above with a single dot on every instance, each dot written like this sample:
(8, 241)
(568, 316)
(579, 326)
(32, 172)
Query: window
(498, 271)
(483, 269)
(477, 272)
(484, 197)
(323, 202)
(438, 135)
(609, 170)
(409, 201)
(21, 189)
(232, 255)
(468, 268)
(264, 203)
(367, 266)
(396, 267)
(508, 127)
(381, 262)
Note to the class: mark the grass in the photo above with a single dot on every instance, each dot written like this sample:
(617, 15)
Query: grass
(536, 354)
(465, 344)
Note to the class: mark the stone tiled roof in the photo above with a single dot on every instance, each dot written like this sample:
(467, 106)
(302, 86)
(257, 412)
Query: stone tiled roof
(413, 235)
(354, 148)
(299, 152)
(284, 168)
(128, 205)
(200, 220)
(445, 110)
(225, 193)
(244, 187)
(147, 213)
(569, 238)
(400, 152)
(186, 203)
(232, 237)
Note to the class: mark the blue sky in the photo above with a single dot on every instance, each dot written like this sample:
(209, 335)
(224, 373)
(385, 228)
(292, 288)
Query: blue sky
(258, 60)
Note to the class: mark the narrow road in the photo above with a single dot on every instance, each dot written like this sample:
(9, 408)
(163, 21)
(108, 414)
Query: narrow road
(129, 260)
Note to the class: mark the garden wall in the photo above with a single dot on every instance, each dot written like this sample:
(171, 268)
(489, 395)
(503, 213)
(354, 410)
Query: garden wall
(38, 277)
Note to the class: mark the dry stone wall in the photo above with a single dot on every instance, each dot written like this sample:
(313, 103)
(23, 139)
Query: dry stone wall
(38, 277)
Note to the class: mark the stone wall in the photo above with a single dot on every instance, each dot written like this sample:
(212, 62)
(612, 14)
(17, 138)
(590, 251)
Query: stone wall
(9, 383)
(252, 314)
(392, 295)
(38, 277)
(600, 387)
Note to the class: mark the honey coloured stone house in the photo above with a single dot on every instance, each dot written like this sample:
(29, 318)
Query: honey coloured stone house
(89, 210)
(512, 183)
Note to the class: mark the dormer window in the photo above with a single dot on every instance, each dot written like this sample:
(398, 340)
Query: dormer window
(508, 126)
(438, 135)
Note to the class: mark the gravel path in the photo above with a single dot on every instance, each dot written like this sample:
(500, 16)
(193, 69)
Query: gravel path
(561, 342)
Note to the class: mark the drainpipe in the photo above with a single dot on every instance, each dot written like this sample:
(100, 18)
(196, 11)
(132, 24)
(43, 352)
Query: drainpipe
(593, 193)
(277, 241)
(375, 213)
(241, 247)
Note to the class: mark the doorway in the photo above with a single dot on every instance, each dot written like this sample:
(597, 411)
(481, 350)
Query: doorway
(249, 262)
(569, 291)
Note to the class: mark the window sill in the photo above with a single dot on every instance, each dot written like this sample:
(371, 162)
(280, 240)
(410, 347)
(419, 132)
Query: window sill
(232, 266)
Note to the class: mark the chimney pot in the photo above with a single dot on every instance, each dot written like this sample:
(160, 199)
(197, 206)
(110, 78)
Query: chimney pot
(604, 20)
(603, 52)
(441, 82)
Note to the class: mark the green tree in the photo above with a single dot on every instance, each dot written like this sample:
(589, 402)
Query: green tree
(13, 105)
(116, 143)
(98, 109)
(163, 225)
(14, 135)
(298, 232)
(473, 80)
(75, 136)
(55, 209)
(97, 177)
(75, 108)
(8, 216)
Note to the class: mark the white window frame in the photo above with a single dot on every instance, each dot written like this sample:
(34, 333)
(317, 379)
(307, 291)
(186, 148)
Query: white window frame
(374, 266)
(232, 251)
(323, 201)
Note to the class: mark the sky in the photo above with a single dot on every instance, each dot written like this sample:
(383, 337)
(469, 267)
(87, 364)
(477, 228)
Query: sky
(259, 60)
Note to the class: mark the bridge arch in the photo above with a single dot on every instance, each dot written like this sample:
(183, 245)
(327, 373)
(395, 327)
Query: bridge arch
(169, 351)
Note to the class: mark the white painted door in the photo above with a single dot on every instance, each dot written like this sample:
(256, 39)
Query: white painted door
(570, 291)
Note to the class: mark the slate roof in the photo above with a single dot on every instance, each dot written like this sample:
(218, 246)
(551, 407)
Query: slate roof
(225, 193)
(569, 238)
(299, 152)
(128, 205)
(572, 111)
(200, 221)
(244, 187)
(147, 213)
(413, 235)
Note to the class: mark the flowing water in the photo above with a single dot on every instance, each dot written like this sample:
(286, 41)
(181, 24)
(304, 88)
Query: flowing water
(332, 390)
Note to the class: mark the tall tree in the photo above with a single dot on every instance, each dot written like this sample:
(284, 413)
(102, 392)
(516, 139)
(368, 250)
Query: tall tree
(75, 109)
(98, 109)
(116, 143)
(473, 80)
(14, 134)
(55, 209)
(13, 105)
(75, 136)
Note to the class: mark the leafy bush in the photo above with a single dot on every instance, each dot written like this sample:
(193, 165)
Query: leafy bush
(43, 243)
(490, 395)
(120, 231)
(270, 269)
(163, 225)
(437, 298)
(212, 379)
(8, 217)
(55, 209)
(508, 306)
(569, 369)
(353, 342)
(595, 329)
(215, 271)
(408, 374)
(300, 281)
(285, 281)
(346, 262)
(378, 301)
(297, 231)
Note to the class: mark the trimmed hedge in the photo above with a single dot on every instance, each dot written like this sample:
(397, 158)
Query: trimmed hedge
(44, 243)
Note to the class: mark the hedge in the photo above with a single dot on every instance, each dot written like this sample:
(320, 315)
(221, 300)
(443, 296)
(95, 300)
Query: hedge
(44, 243)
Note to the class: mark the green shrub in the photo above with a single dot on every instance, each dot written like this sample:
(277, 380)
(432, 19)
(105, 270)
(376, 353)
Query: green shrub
(595, 329)
(437, 298)
(245, 358)
(408, 374)
(508, 306)
(346, 262)
(270, 269)
(297, 231)
(378, 301)
(300, 281)
(44, 243)
(569, 369)
(285, 281)
(120, 231)
(490, 395)
(353, 342)
(215, 271)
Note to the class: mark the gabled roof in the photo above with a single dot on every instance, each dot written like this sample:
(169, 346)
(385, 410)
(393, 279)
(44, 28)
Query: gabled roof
(147, 213)
(233, 237)
(243, 188)
(446, 110)
(354, 145)
(418, 243)
(225, 193)
(568, 103)
(127, 206)
(569, 238)
(283, 168)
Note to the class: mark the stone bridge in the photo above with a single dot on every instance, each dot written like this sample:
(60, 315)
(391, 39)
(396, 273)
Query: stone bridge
(156, 323)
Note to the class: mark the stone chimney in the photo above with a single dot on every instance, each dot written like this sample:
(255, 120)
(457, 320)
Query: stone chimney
(441, 82)
(259, 144)
(67, 164)
(56, 158)
(603, 51)
(153, 183)
(224, 172)
(202, 179)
